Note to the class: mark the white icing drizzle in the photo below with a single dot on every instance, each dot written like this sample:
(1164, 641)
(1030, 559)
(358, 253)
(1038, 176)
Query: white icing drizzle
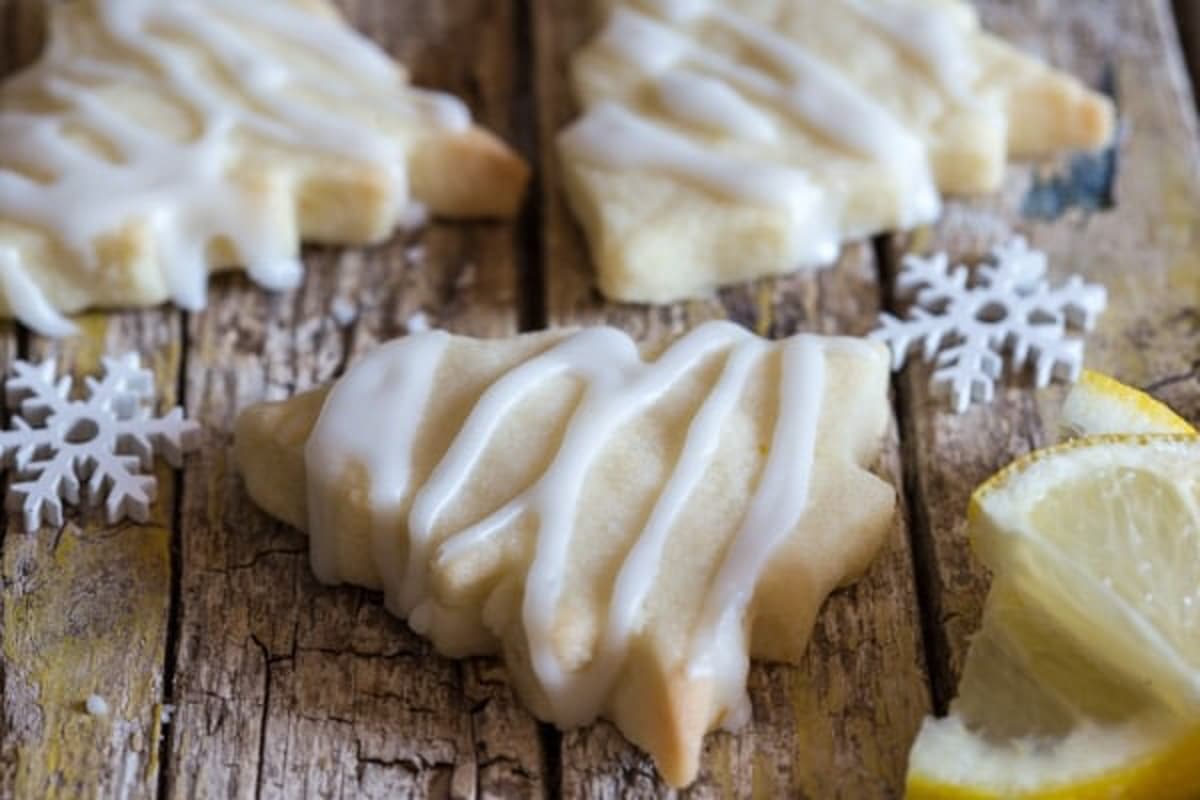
(812, 93)
(720, 647)
(820, 96)
(712, 104)
(638, 40)
(182, 188)
(398, 375)
(612, 136)
(678, 10)
(618, 384)
(929, 36)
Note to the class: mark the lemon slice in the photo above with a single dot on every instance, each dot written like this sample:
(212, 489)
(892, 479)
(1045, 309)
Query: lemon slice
(1100, 404)
(1056, 699)
(1036, 720)
(1103, 534)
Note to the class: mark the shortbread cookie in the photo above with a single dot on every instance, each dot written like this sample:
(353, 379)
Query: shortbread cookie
(155, 142)
(724, 140)
(625, 527)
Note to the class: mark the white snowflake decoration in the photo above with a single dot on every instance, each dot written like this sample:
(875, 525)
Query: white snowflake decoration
(102, 444)
(1009, 306)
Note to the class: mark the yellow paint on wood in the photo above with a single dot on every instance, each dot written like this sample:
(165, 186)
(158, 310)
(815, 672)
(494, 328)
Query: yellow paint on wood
(765, 295)
(1184, 274)
(1179, 200)
(88, 346)
(84, 617)
(762, 787)
(815, 749)
(85, 612)
(150, 773)
(922, 240)
(717, 758)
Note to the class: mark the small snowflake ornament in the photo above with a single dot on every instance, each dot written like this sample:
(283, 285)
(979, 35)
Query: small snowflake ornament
(967, 325)
(101, 445)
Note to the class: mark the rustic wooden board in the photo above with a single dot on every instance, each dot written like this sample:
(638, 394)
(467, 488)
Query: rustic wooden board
(282, 687)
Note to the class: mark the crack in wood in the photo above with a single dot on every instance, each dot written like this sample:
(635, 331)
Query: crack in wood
(1192, 374)
(263, 555)
(175, 599)
(530, 252)
(1187, 16)
(264, 719)
(926, 581)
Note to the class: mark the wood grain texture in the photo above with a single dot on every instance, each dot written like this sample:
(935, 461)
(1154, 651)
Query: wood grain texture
(840, 723)
(86, 608)
(1145, 248)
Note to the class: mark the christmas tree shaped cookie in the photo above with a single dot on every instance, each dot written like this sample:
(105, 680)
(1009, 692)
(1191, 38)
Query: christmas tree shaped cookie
(723, 140)
(156, 142)
(626, 527)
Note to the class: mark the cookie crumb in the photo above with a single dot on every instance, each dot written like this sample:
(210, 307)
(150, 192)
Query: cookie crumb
(97, 706)
(343, 311)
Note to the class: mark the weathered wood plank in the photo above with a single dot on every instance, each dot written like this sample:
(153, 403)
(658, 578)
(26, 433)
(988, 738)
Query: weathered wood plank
(85, 609)
(284, 687)
(22, 25)
(1146, 249)
(840, 723)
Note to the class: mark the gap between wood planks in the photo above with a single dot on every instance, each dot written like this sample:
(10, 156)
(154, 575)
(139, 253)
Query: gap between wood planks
(175, 604)
(920, 531)
(1187, 18)
(531, 268)
(530, 249)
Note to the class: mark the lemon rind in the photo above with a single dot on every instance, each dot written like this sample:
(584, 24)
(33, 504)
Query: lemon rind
(1172, 773)
(1168, 773)
(1099, 396)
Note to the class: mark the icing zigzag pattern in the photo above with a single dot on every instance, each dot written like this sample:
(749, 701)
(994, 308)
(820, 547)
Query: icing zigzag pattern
(626, 528)
(156, 141)
(732, 139)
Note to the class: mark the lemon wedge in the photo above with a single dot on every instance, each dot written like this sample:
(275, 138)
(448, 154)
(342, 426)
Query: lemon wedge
(1084, 680)
(1034, 719)
(1100, 404)
(1104, 534)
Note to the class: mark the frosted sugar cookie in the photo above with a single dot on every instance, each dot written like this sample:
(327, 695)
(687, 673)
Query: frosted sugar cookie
(724, 140)
(626, 526)
(155, 142)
